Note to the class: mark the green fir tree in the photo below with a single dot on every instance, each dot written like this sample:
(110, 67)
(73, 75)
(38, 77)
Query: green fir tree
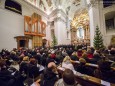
(54, 42)
(98, 40)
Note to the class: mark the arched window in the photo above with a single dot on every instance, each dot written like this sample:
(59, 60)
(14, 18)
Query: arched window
(13, 6)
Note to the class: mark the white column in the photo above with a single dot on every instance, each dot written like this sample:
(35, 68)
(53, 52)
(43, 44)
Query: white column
(48, 33)
(2, 4)
(93, 11)
(60, 30)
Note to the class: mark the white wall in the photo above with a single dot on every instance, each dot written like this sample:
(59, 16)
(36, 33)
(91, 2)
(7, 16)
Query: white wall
(11, 25)
(97, 17)
(106, 35)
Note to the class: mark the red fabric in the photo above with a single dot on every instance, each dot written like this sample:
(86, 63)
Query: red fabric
(53, 56)
(90, 56)
(79, 53)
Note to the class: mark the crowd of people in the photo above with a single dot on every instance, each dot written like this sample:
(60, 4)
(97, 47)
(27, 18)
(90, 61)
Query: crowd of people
(38, 66)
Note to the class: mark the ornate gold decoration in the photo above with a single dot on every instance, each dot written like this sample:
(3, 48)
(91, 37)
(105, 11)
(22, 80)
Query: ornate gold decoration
(81, 19)
(113, 40)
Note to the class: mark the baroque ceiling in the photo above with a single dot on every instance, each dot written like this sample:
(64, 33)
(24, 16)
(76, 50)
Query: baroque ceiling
(81, 19)
(68, 6)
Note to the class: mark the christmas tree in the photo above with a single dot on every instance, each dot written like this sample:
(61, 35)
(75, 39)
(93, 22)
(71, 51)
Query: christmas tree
(54, 42)
(98, 40)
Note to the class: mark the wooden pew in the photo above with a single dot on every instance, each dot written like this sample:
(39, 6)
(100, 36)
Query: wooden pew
(84, 80)
(88, 64)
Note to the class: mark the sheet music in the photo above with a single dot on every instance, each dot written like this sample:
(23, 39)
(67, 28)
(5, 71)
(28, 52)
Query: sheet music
(105, 83)
(93, 65)
(41, 67)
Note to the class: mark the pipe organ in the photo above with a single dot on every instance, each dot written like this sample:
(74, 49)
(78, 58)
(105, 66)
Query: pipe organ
(35, 27)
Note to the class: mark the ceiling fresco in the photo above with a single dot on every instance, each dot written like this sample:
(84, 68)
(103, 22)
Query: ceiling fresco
(67, 6)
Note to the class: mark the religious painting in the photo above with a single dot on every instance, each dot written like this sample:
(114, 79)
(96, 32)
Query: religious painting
(13, 6)
(80, 33)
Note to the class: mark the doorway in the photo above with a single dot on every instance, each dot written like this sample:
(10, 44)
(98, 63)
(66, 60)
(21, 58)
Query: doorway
(22, 43)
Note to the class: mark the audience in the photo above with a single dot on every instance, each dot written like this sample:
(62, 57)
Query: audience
(38, 66)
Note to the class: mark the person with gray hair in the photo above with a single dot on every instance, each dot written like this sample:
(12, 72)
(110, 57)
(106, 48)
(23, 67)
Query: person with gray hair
(68, 79)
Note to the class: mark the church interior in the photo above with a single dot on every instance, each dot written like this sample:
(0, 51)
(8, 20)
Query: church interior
(57, 42)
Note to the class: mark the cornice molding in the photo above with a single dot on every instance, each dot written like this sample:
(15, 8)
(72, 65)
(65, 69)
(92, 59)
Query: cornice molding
(59, 19)
(39, 10)
(53, 14)
(56, 11)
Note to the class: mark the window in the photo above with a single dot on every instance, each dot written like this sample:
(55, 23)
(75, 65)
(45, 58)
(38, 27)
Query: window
(107, 3)
(13, 6)
(110, 24)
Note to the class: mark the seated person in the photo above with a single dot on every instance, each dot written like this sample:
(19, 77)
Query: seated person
(79, 53)
(113, 65)
(49, 76)
(112, 54)
(96, 58)
(74, 56)
(68, 79)
(67, 63)
(85, 56)
(9, 76)
(33, 70)
(89, 54)
(82, 68)
(104, 71)
(36, 82)
(23, 65)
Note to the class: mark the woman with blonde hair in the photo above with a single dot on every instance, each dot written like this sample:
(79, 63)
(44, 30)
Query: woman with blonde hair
(67, 63)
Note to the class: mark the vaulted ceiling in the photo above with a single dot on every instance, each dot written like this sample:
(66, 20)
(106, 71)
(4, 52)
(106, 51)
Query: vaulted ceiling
(68, 6)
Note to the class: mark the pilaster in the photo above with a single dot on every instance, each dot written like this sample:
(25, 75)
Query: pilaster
(93, 10)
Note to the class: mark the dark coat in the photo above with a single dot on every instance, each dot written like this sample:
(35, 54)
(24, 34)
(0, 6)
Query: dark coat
(48, 78)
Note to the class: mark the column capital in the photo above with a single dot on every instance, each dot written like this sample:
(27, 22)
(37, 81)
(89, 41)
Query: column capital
(92, 3)
(59, 19)
(48, 22)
